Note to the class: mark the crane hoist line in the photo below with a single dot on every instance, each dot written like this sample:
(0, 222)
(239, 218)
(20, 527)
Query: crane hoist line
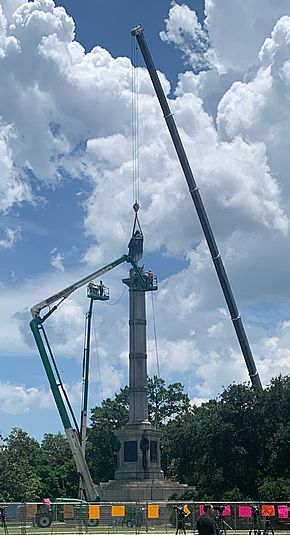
(138, 32)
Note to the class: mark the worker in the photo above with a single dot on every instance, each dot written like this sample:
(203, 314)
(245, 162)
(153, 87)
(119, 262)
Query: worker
(101, 288)
(92, 289)
(150, 277)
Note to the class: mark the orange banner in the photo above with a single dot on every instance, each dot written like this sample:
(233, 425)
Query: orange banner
(94, 512)
(153, 511)
(118, 510)
(268, 510)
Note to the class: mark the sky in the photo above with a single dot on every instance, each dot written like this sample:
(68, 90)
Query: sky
(67, 187)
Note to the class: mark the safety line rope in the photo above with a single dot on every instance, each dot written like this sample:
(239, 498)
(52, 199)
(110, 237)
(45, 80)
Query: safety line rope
(155, 335)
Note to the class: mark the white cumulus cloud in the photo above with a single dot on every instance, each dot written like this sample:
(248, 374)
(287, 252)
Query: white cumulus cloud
(17, 399)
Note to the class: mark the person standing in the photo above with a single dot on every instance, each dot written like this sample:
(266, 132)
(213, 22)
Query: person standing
(180, 520)
(205, 523)
(150, 277)
(101, 288)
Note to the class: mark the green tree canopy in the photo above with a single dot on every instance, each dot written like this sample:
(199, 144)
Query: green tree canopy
(234, 447)
(20, 459)
(58, 471)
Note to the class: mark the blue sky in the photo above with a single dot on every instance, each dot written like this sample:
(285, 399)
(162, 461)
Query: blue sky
(109, 24)
(66, 190)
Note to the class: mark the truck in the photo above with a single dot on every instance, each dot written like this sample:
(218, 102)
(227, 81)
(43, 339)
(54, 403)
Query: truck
(79, 513)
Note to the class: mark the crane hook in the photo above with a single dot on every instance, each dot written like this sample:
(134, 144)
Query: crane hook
(136, 207)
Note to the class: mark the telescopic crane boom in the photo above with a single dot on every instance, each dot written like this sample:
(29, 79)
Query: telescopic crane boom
(138, 32)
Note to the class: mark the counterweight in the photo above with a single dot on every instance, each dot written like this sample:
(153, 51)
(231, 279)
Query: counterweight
(138, 32)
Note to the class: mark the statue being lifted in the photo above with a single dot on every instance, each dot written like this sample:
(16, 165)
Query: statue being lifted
(136, 242)
(136, 245)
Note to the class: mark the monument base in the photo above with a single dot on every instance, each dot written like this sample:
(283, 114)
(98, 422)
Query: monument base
(148, 490)
(139, 453)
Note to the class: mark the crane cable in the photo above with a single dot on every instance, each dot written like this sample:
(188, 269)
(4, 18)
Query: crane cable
(155, 336)
(161, 385)
(135, 121)
(135, 133)
(118, 300)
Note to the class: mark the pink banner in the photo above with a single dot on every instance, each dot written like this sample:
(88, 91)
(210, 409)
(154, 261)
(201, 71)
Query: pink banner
(201, 509)
(227, 510)
(245, 510)
(282, 511)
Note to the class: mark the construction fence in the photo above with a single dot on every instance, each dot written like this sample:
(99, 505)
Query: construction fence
(140, 517)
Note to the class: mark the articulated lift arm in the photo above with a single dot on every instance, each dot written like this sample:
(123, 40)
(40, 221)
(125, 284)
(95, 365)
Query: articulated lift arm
(63, 294)
(138, 32)
(46, 355)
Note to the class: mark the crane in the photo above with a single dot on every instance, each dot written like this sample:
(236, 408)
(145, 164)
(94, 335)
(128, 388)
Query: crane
(138, 32)
(75, 437)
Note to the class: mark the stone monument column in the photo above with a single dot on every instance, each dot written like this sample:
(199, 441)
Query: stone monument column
(139, 441)
(138, 390)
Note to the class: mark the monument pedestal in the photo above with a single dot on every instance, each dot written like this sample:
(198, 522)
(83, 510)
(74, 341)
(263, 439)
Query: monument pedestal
(135, 491)
(139, 453)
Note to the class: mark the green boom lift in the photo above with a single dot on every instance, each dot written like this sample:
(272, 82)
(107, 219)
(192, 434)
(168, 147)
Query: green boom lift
(73, 435)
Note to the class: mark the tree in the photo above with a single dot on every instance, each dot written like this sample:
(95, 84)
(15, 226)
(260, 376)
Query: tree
(274, 412)
(20, 459)
(274, 489)
(234, 447)
(29, 471)
(165, 403)
(217, 447)
(58, 471)
(177, 446)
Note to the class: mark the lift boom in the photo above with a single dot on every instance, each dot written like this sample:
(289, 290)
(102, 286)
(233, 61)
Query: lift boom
(138, 32)
(73, 435)
(63, 294)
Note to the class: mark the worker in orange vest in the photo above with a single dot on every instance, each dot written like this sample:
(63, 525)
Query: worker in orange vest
(150, 277)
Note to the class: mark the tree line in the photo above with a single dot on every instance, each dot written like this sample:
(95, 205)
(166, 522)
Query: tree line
(234, 447)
